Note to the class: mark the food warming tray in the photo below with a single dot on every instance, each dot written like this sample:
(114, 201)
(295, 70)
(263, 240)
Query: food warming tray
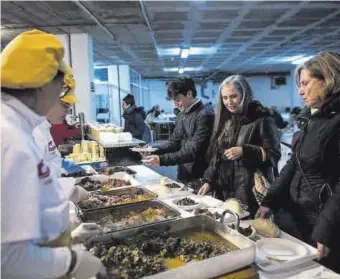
(222, 264)
(122, 211)
(121, 192)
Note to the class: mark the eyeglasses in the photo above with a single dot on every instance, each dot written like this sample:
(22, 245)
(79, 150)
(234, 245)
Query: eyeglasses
(65, 89)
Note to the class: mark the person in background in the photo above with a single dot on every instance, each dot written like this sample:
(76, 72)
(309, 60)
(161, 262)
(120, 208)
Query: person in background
(134, 119)
(309, 185)
(294, 115)
(244, 140)
(35, 235)
(188, 143)
(152, 115)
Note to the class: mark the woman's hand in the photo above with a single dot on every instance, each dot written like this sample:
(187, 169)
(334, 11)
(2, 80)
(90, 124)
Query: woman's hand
(323, 251)
(204, 189)
(263, 212)
(233, 153)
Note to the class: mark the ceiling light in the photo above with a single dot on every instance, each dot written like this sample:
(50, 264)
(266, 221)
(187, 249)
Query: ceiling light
(202, 50)
(185, 52)
(169, 51)
(170, 69)
(180, 70)
(192, 69)
(302, 60)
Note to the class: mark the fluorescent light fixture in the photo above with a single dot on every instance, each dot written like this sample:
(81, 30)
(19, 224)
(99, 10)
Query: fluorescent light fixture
(287, 58)
(202, 50)
(170, 69)
(180, 70)
(192, 69)
(302, 60)
(169, 51)
(185, 52)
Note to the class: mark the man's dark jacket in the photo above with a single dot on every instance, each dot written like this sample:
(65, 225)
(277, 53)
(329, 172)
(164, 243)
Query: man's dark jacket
(189, 142)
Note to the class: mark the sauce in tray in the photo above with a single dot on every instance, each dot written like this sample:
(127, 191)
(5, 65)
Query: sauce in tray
(199, 237)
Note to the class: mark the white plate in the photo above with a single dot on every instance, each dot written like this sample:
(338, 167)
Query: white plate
(197, 199)
(281, 249)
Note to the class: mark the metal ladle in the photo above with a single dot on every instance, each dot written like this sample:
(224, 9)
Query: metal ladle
(237, 217)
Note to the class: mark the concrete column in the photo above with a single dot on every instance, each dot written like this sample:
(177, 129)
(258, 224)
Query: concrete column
(65, 40)
(124, 80)
(82, 64)
(115, 100)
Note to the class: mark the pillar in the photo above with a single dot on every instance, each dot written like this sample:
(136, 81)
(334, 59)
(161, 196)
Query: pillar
(115, 98)
(81, 57)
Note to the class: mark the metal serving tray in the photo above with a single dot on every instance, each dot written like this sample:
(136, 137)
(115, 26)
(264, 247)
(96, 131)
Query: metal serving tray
(209, 268)
(116, 169)
(120, 192)
(120, 212)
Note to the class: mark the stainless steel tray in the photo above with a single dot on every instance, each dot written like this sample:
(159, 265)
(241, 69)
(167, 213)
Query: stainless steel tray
(209, 268)
(120, 212)
(120, 192)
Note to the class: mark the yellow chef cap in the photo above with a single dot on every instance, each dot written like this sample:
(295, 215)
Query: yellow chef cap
(31, 60)
(69, 87)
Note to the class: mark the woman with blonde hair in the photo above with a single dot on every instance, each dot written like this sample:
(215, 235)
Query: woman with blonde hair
(245, 140)
(309, 184)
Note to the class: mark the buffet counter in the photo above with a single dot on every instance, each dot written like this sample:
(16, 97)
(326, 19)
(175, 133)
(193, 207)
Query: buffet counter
(246, 263)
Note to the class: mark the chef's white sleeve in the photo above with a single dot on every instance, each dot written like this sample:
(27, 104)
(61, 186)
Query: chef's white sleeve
(27, 260)
(20, 195)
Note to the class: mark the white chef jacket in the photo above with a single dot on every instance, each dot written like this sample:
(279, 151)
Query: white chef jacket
(45, 142)
(33, 206)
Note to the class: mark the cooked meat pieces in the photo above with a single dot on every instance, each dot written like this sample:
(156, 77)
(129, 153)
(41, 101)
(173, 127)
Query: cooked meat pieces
(103, 200)
(114, 183)
(90, 185)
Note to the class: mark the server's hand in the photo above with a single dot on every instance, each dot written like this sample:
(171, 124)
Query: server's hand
(85, 231)
(87, 265)
(70, 166)
(79, 194)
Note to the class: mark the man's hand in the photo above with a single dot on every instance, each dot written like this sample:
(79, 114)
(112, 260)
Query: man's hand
(234, 153)
(152, 160)
(323, 251)
(204, 189)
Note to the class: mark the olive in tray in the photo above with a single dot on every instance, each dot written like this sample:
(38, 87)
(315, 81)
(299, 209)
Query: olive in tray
(151, 253)
(76, 174)
(113, 170)
(172, 185)
(186, 202)
(247, 231)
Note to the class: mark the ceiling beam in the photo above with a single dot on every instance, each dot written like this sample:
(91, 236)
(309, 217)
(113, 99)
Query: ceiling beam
(152, 33)
(95, 19)
(246, 8)
(288, 38)
(263, 34)
(304, 44)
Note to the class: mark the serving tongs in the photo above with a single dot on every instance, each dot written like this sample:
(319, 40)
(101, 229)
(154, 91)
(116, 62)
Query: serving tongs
(237, 217)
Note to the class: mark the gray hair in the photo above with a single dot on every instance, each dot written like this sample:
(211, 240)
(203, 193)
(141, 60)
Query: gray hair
(241, 85)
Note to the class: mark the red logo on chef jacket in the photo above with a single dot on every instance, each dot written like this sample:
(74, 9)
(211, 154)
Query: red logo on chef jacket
(51, 146)
(43, 170)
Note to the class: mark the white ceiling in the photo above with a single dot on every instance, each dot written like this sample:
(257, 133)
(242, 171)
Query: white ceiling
(247, 36)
